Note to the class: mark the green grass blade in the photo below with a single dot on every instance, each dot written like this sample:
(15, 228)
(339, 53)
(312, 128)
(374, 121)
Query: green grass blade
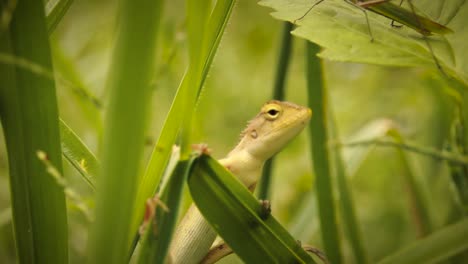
(239, 218)
(79, 156)
(418, 204)
(346, 202)
(436, 247)
(197, 18)
(55, 10)
(214, 32)
(278, 94)
(29, 114)
(302, 225)
(156, 243)
(179, 109)
(124, 134)
(317, 94)
(90, 105)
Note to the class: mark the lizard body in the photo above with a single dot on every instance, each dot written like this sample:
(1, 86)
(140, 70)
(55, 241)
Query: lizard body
(276, 124)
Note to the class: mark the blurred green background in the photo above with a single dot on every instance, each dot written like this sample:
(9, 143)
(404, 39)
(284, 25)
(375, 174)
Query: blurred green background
(239, 82)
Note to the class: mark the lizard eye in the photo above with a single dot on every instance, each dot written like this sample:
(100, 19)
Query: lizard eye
(272, 112)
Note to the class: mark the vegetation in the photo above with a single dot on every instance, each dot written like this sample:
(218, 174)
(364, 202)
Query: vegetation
(380, 176)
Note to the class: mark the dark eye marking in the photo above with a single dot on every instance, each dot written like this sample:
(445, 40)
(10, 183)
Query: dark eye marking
(273, 112)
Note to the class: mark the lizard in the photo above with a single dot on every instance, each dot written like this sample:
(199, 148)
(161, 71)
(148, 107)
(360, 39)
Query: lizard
(266, 134)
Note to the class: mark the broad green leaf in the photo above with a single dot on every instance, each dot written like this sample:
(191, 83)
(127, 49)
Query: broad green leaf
(342, 30)
(79, 156)
(239, 218)
(29, 116)
(436, 247)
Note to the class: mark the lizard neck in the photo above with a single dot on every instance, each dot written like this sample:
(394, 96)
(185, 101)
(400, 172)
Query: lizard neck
(244, 165)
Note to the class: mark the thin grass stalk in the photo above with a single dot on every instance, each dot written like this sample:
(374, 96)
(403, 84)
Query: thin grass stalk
(89, 105)
(124, 132)
(418, 204)
(29, 115)
(317, 97)
(346, 202)
(459, 173)
(284, 56)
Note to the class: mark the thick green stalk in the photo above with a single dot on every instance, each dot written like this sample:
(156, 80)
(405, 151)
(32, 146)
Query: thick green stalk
(129, 100)
(29, 115)
(320, 153)
(278, 94)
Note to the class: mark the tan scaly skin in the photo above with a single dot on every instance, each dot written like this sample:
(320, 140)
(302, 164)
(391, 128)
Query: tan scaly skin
(266, 134)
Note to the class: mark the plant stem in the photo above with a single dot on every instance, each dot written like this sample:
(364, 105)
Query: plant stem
(278, 94)
(320, 153)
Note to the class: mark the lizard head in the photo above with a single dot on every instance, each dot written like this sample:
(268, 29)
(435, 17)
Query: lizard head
(276, 124)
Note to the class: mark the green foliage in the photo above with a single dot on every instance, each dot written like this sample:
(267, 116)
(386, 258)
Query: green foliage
(336, 19)
(155, 242)
(129, 102)
(402, 131)
(79, 156)
(438, 246)
(29, 115)
(243, 222)
(180, 114)
(319, 136)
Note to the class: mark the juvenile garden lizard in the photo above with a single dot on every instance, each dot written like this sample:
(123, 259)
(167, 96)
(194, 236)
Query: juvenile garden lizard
(266, 134)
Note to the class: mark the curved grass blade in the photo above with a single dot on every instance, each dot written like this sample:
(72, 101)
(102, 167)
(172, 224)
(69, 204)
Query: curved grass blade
(79, 156)
(438, 246)
(239, 218)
